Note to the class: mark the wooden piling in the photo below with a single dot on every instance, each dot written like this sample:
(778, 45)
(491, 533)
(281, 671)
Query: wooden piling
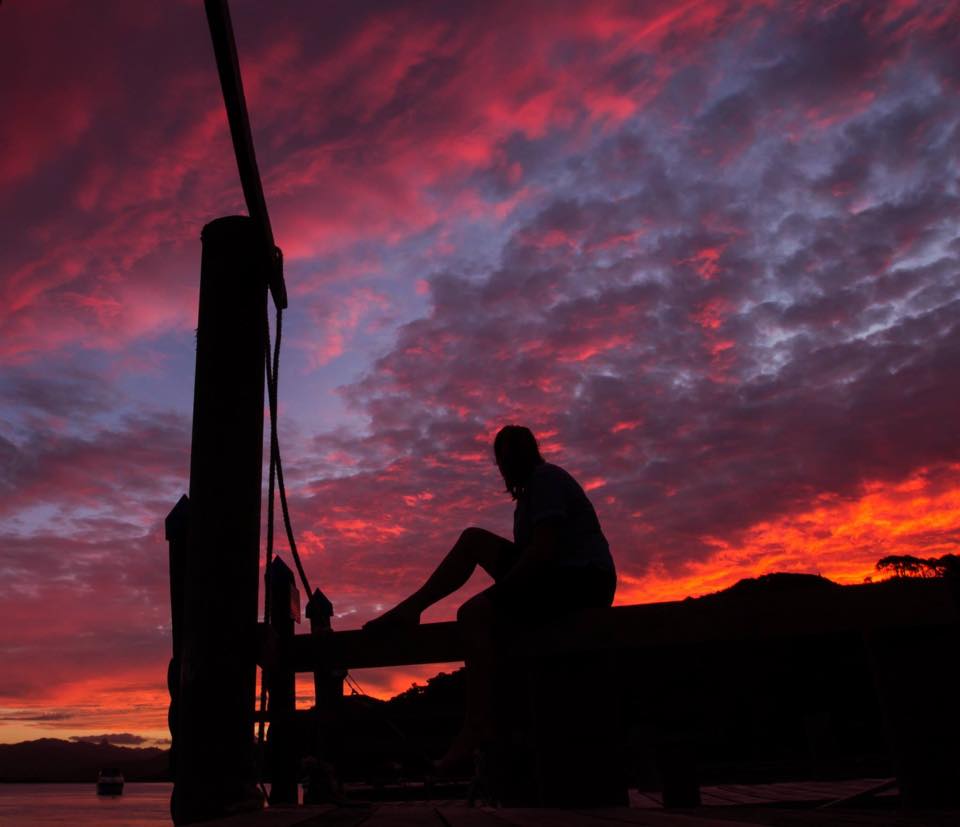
(215, 771)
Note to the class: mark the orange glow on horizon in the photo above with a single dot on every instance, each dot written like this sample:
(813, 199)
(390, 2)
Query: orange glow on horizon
(125, 703)
(838, 538)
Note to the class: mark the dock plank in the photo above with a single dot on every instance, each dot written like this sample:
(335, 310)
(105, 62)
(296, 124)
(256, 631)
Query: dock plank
(645, 799)
(709, 798)
(809, 790)
(607, 817)
(404, 815)
(348, 816)
(747, 794)
(772, 817)
(661, 818)
(725, 795)
(273, 816)
(464, 816)
(538, 817)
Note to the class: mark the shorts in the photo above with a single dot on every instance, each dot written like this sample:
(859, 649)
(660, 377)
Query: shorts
(557, 591)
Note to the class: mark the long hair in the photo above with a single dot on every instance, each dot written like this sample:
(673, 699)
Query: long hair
(517, 453)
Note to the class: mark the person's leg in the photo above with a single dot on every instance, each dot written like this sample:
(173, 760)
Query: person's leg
(554, 593)
(475, 547)
(481, 622)
(475, 619)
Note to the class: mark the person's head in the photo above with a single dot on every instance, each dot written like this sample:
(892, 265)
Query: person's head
(517, 454)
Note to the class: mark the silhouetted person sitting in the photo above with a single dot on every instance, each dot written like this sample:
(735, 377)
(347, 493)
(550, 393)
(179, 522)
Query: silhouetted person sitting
(559, 561)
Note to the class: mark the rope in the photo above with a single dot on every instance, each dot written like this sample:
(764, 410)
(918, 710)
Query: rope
(276, 465)
(231, 84)
(271, 385)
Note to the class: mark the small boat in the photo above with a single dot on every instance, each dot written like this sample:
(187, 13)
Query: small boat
(110, 781)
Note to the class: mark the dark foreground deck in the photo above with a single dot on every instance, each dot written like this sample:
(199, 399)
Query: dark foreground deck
(864, 802)
(458, 814)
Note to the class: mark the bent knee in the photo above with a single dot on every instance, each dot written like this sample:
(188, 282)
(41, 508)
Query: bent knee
(473, 535)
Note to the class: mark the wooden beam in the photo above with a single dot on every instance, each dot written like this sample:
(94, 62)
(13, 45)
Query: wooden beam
(714, 618)
(359, 649)
(758, 617)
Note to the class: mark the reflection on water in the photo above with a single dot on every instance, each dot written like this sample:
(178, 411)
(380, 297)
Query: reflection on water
(37, 805)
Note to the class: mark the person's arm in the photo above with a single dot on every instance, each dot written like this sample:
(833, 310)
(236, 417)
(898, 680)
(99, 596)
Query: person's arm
(543, 549)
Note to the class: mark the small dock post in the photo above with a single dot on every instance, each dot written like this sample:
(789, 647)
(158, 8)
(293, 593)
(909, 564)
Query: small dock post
(281, 682)
(327, 682)
(320, 611)
(215, 766)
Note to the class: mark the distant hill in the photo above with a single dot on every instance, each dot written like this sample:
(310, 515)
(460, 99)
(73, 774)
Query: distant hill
(50, 759)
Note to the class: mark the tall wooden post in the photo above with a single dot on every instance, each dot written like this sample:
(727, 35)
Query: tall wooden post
(215, 771)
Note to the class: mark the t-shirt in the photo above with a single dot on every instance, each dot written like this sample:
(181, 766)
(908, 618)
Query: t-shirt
(552, 492)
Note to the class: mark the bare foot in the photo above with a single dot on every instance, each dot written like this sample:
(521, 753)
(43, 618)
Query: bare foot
(401, 616)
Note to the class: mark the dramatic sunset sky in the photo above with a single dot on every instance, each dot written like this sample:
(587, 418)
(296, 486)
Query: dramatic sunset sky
(708, 251)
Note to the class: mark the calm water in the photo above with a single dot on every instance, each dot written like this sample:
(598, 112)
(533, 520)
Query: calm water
(38, 805)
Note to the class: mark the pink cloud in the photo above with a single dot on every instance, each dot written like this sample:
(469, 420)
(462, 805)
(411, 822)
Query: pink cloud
(332, 325)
